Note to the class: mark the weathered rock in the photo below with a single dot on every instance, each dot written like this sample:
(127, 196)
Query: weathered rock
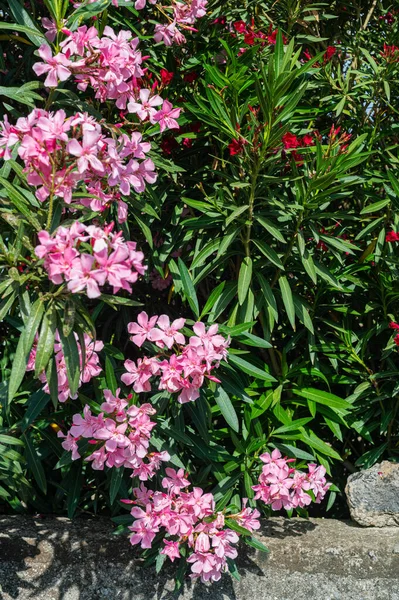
(373, 495)
(56, 559)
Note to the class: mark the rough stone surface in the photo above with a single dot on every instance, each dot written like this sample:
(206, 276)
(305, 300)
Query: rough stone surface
(56, 559)
(373, 495)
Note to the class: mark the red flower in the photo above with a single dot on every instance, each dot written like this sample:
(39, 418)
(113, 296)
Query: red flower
(328, 54)
(390, 53)
(393, 325)
(272, 37)
(219, 21)
(396, 339)
(236, 147)
(392, 236)
(307, 140)
(166, 76)
(195, 127)
(240, 26)
(249, 38)
(190, 77)
(290, 141)
(307, 55)
(187, 142)
(168, 144)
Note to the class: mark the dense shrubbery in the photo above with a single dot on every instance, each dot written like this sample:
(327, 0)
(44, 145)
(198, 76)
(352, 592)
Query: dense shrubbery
(237, 174)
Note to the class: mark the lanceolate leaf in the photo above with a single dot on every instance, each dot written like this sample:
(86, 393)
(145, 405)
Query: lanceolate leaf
(226, 408)
(72, 361)
(288, 301)
(244, 279)
(188, 287)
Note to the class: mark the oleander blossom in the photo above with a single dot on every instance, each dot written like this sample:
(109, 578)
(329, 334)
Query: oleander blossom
(284, 487)
(188, 519)
(61, 153)
(86, 258)
(181, 365)
(113, 67)
(119, 436)
(88, 369)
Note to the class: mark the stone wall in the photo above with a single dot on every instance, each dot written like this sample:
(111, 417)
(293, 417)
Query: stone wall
(319, 559)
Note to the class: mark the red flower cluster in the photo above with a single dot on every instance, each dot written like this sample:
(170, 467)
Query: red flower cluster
(392, 236)
(291, 142)
(395, 327)
(252, 37)
(236, 147)
(166, 76)
(328, 54)
(390, 53)
(388, 18)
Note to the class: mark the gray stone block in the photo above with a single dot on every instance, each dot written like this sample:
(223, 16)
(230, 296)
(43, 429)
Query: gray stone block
(373, 495)
(319, 559)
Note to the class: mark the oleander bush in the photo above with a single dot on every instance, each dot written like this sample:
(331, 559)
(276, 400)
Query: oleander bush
(198, 266)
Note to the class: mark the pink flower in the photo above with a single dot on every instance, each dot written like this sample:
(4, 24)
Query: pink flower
(144, 329)
(87, 151)
(171, 549)
(69, 444)
(145, 108)
(113, 434)
(139, 374)
(56, 67)
(206, 565)
(174, 481)
(82, 277)
(170, 331)
(166, 117)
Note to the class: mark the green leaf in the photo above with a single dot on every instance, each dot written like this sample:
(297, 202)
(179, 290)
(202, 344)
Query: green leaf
(116, 480)
(244, 279)
(311, 439)
(24, 20)
(375, 207)
(159, 562)
(249, 368)
(226, 408)
(6, 305)
(323, 398)
(269, 253)
(254, 543)
(23, 348)
(36, 403)
(294, 452)
(34, 463)
(20, 203)
(369, 458)
(288, 301)
(271, 228)
(45, 345)
(110, 377)
(10, 440)
(72, 360)
(188, 287)
(213, 298)
(73, 484)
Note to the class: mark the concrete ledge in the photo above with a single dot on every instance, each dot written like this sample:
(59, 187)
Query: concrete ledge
(56, 559)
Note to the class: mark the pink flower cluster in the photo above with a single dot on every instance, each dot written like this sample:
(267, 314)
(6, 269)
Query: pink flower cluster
(282, 486)
(106, 258)
(185, 14)
(89, 369)
(182, 371)
(121, 435)
(112, 66)
(60, 153)
(188, 518)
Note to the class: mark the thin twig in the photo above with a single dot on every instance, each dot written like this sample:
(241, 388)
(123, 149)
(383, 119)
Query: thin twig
(369, 15)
